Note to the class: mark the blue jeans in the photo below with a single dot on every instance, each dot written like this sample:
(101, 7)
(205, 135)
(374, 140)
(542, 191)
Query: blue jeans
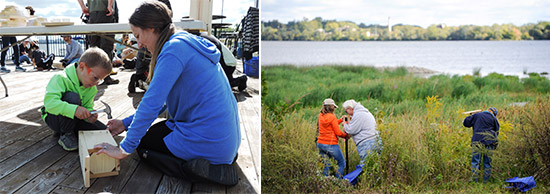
(367, 147)
(477, 157)
(73, 61)
(23, 58)
(332, 151)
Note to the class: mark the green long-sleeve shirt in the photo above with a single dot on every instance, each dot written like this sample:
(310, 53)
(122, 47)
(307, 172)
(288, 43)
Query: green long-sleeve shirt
(67, 81)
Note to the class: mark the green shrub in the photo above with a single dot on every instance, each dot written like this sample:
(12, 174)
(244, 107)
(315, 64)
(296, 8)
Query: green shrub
(544, 86)
(463, 89)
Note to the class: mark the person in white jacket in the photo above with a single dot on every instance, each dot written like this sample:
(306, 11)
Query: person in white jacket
(362, 128)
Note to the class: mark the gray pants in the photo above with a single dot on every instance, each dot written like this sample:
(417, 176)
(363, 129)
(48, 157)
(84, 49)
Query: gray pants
(62, 124)
(104, 44)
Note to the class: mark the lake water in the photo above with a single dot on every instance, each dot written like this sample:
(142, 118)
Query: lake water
(449, 57)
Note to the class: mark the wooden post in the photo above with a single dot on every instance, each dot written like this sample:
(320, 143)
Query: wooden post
(202, 10)
(92, 164)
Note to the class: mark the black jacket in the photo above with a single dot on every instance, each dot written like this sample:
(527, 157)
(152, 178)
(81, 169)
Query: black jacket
(485, 125)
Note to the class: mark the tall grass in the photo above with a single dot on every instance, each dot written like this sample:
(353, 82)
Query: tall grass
(426, 148)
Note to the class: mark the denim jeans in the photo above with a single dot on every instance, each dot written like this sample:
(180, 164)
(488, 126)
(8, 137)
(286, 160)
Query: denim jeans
(485, 157)
(73, 61)
(367, 147)
(332, 151)
(24, 58)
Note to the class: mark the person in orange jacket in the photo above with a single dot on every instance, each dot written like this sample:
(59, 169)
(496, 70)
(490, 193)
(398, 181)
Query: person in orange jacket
(327, 140)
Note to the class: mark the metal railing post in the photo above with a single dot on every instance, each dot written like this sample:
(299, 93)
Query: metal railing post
(47, 45)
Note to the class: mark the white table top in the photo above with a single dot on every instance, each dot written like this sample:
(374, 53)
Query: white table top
(106, 28)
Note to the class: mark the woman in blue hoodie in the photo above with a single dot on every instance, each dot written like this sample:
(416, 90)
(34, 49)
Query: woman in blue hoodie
(202, 131)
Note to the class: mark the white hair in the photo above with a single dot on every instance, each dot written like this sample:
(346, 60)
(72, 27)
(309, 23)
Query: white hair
(349, 104)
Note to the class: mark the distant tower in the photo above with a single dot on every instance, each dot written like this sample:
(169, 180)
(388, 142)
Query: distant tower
(389, 24)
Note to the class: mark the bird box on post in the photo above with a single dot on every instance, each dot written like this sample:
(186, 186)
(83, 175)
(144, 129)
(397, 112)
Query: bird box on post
(92, 164)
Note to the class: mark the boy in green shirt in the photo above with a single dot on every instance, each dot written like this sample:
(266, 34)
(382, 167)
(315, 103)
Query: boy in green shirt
(70, 97)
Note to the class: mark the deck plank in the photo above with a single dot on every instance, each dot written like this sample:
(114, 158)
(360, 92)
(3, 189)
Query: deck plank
(251, 122)
(144, 180)
(169, 185)
(22, 142)
(48, 179)
(73, 183)
(23, 175)
(245, 168)
(23, 157)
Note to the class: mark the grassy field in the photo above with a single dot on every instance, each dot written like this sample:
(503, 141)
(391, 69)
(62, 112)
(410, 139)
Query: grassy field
(426, 148)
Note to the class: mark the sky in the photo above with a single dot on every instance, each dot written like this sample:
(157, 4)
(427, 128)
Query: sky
(235, 10)
(417, 12)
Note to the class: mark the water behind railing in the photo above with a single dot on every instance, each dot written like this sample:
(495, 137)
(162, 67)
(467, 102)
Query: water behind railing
(52, 44)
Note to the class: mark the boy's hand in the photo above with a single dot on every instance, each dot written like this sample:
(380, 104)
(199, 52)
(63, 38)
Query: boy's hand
(93, 118)
(82, 113)
(115, 127)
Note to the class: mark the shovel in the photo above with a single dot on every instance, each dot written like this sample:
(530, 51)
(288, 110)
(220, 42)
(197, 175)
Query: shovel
(347, 159)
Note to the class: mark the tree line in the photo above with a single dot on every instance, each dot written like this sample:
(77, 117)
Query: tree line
(332, 30)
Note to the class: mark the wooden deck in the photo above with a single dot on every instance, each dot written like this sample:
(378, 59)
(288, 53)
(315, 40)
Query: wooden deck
(31, 161)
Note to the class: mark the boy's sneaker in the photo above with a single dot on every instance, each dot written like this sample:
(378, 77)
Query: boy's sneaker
(224, 174)
(21, 69)
(4, 70)
(68, 141)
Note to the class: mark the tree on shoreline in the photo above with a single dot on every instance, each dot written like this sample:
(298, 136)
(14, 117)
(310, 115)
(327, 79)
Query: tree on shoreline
(332, 30)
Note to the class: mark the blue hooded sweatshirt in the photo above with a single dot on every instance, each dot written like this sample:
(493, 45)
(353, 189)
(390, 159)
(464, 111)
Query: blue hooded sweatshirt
(203, 112)
(485, 125)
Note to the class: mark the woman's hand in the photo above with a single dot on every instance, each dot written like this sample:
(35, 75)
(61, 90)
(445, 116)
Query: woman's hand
(115, 127)
(110, 150)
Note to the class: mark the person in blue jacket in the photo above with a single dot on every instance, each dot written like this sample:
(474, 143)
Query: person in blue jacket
(484, 140)
(202, 129)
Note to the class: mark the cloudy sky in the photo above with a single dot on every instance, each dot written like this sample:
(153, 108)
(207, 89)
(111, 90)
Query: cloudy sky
(418, 12)
(235, 10)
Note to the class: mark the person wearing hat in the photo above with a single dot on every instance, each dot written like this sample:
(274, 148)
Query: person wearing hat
(327, 140)
(119, 47)
(73, 51)
(24, 51)
(362, 128)
(484, 140)
(130, 53)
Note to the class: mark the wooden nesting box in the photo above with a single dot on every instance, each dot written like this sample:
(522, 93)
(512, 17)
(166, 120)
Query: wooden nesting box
(92, 164)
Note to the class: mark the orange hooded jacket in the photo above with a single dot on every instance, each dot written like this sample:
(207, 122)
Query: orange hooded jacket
(329, 129)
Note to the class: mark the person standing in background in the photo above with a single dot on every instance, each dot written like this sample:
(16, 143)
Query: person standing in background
(101, 11)
(6, 41)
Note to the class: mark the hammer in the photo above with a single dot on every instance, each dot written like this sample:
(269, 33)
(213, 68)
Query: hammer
(107, 110)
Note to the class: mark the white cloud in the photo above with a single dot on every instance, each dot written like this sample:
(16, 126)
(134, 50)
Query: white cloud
(233, 9)
(420, 12)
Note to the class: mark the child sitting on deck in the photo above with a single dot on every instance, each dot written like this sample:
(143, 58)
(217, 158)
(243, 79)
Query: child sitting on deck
(40, 60)
(70, 97)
